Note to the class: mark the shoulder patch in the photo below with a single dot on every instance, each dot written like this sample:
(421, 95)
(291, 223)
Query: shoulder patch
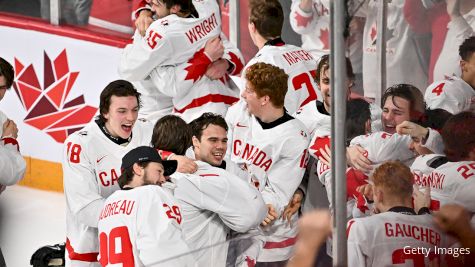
(82, 133)
(437, 162)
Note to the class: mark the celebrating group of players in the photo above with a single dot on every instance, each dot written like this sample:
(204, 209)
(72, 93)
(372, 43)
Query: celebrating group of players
(181, 158)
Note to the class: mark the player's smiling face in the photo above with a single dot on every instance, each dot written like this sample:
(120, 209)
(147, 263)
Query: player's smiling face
(252, 99)
(153, 174)
(395, 110)
(324, 85)
(212, 145)
(122, 114)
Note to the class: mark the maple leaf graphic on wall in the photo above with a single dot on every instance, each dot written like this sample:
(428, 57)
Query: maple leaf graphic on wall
(49, 108)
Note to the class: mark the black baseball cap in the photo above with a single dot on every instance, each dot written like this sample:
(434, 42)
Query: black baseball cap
(148, 154)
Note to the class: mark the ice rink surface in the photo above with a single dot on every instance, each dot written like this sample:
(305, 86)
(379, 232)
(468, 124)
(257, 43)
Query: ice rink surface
(30, 219)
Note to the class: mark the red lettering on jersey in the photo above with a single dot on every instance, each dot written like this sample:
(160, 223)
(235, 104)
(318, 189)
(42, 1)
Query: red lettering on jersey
(74, 151)
(293, 57)
(153, 38)
(252, 154)
(304, 79)
(173, 212)
(107, 247)
(125, 207)
(466, 170)
(413, 231)
(201, 30)
(103, 177)
(438, 89)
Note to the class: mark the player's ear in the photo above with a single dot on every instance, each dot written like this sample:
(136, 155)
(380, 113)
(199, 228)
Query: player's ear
(264, 100)
(137, 169)
(196, 142)
(463, 65)
(252, 27)
(471, 154)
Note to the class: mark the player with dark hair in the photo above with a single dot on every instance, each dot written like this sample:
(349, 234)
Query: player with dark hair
(265, 26)
(147, 226)
(183, 58)
(212, 200)
(91, 166)
(456, 94)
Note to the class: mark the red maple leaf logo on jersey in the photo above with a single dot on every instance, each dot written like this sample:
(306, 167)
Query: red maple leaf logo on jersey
(198, 65)
(48, 107)
(301, 20)
(250, 262)
(324, 38)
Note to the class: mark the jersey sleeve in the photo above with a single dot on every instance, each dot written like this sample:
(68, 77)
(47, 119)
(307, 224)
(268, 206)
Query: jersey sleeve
(357, 243)
(434, 142)
(285, 175)
(80, 185)
(139, 5)
(145, 53)
(239, 207)
(156, 230)
(12, 164)
(233, 55)
(301, 22)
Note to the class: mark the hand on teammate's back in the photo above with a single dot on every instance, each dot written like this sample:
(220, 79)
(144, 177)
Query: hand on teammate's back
(185, 165)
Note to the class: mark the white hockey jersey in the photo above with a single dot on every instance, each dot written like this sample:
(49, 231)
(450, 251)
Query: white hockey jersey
(452, 182)
(301, 68)
(274, 160)
(143, 226)
(91, 168)
(386, 239)
(314, 27)
(172, 41)
(213, 201)
(382, 146)
(194, 93)
(406, 63)
(458, 29)
(453, 95)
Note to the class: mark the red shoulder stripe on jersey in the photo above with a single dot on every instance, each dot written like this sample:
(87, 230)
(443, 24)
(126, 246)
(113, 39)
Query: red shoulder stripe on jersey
(88, 257)
(208, 174)
(282, 244)
(211, 98)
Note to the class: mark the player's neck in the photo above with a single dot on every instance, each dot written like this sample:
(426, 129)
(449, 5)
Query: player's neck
(395, 203)
(271, 114)
(260, 41)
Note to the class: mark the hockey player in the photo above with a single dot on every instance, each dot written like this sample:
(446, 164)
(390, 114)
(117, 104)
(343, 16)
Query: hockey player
(173, 56)
(91, 166)
(12, 165)
(265, 26)
(311, 19)
(451, 177)
(396, 235)
(456, 94)
(142, 222)
(212, 200)
(268, 148)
